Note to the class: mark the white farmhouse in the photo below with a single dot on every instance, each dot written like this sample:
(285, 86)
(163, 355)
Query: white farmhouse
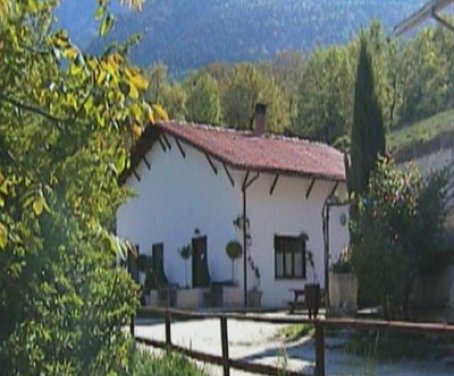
(195, 184)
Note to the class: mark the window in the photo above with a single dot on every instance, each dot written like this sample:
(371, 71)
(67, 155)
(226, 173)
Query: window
(290, 257)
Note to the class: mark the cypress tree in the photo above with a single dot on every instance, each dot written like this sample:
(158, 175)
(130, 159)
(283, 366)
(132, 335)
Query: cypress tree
(368, 132)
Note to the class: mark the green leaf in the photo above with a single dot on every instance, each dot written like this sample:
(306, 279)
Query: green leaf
(133, 92)
(106, 24)
(137, 79)
(121, 164)
(100, 12)
(3, 236)
(38, 206)
(159, 113)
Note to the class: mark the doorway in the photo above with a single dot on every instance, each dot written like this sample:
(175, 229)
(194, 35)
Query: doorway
(200, 275)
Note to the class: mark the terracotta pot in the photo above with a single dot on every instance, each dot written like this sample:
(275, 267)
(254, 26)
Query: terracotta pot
(255, 298)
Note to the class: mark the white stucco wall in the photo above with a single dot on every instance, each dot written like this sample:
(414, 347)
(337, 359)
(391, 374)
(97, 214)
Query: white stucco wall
(287, 212)
(174, 198)
(178, 195)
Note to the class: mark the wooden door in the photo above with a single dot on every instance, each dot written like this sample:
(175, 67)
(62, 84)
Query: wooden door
(200, 276)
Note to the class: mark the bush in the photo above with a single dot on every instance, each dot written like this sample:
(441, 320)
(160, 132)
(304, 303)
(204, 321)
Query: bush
(72, 318)
(398, 228)
(146, 364)
(389, 346)
(296, 331)
(63, 306)
(343, 263)
(234, 249)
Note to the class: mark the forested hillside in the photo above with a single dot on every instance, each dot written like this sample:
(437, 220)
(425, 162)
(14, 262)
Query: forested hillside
(186, 34)
(311, 95)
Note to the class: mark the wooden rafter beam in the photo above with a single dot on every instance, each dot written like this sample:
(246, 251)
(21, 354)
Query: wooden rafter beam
(147, 163)
(136, 174)
(333, 191)
(163, 145)
(166, 140)
(246, 178)
(229, 175)
(210, 161)
(309, 189)
(273, 185)
(251, 181)
(180, 147)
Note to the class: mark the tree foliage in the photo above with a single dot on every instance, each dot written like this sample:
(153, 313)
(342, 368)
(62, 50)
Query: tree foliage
(368, 131)
(164, 92)
(426, 74)
(67, 120)
(325, 100)
(312, 95)
(399, 234)
(240, 95)
(203, 102)
(247, 86)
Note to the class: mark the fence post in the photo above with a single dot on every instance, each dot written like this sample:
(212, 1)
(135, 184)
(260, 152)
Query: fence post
(132, 327)
(319, 348)
(168, 332)
(225, 346)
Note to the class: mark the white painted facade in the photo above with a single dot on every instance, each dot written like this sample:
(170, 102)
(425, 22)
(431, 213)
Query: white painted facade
(179, 198)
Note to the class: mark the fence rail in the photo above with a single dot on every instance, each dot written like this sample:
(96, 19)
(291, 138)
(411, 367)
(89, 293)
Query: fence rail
(320, 326)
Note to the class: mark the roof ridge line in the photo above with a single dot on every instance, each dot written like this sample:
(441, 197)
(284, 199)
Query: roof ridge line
(242, 132)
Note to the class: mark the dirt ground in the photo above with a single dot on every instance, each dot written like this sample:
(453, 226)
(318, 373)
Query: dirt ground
(261, 343)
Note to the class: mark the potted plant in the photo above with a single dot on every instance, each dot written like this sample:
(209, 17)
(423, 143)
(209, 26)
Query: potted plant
(255, 295)
(312, 290)
(234, 250)
(231, 292)
(149, 288)
(150, 293)
(141, 262)
(185, 252)
(343, 285)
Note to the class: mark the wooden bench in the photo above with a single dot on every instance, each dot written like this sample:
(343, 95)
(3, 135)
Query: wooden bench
(293, 304)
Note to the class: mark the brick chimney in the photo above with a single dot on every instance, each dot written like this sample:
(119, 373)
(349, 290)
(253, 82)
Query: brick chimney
(260, 119)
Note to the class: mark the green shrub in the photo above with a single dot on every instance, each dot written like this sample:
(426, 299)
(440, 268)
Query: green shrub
(399, 227)
(146, 364)
(65, 134)
(393, 346)
(295, 331)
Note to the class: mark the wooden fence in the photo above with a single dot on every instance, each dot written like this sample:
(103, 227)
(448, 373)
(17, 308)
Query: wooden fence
(320, 327)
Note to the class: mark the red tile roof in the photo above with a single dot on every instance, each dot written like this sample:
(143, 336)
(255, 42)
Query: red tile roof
(245, 151)
(266, 153)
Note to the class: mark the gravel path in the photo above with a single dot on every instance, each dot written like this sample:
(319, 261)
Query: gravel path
(259, 342)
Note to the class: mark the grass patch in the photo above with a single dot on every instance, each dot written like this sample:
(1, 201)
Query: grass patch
(421, 132)
(394, 347)
(172, 364)
(295, 331)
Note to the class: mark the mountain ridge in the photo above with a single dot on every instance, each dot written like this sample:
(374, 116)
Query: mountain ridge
(187, 34)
